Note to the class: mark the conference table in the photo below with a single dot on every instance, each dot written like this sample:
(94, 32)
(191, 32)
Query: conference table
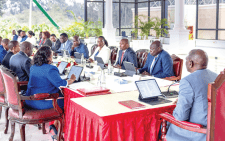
(102, 118)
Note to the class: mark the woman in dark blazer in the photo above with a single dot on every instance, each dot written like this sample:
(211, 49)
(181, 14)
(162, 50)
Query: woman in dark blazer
(46, 39)
(45, 78)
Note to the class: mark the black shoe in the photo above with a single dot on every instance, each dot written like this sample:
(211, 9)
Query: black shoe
(52, 127)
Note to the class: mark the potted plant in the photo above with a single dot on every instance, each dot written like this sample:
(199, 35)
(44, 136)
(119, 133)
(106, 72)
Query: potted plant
(145, 27)
(159, 28)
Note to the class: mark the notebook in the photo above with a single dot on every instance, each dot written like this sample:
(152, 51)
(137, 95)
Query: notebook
(131, 104)
(93, 90)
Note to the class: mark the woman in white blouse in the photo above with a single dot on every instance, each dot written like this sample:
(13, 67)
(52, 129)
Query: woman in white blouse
(31, 38)
(101, 51)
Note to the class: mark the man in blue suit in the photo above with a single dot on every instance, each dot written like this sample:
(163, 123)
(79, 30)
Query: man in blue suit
(55, 42)
(159, 63)
(3, 49)
(24, 36)
(192, 104)
(65, 43)
(126, 54)
(79, 47)
(20, 63)
(15, 36)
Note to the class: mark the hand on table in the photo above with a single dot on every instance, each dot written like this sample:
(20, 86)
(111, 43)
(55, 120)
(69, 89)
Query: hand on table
(90, 60)
(146, 73)
(175, 102)
(117, 66)
(72, 79)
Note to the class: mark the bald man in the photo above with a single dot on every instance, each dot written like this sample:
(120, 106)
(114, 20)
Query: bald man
(3, 48)
(192, 104)
(126, 54)
(20, 63)
(159, 63)
(79, 48)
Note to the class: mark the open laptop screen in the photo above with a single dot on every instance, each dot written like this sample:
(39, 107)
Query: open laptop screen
(76, 70)
(62, 66)
(148, 88)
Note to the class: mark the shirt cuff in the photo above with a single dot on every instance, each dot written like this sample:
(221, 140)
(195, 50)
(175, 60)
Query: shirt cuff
(138, 72)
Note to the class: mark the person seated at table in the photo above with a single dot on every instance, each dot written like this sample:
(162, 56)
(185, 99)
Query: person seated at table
(23, 36)
(159, 63)
(3, 49)
(192, 104)
(40, 39)
(19, 36)
(66, 44)
(20, 63)
(55, 42)
(15, 36)
(126, 54)
(45, 39)
(45, 78)
(101, 51)
(79, 47)
(31, 38)
(14, 48)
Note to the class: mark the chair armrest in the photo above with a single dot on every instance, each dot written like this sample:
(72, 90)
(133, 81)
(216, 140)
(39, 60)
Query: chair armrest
(172, 78)
(40, 96)
(183, 124)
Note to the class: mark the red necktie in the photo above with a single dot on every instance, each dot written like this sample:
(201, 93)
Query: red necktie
(122, 58)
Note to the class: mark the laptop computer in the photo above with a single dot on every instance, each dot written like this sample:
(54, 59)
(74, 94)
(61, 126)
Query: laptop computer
(130, 69)
(62, 67)
(62, 52)
(76, 70)
(149, 92)
(100, 62)
(78, 57)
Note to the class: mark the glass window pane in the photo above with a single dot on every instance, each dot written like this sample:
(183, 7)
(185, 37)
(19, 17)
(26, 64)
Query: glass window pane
(221, 35)
(207, 34)
(127, 0)
(127, 17)
(95, 11)
(155, 9)
(221, 15)
(207, 16)
(116, 15)
(127, 31)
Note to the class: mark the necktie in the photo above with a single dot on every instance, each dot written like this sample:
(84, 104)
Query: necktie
(152, 65)
(122, 57)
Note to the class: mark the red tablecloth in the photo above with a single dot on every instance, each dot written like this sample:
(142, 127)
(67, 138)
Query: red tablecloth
(84, 125)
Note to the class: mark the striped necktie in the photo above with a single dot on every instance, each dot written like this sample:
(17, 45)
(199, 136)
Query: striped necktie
(152, 65)
(122, 57)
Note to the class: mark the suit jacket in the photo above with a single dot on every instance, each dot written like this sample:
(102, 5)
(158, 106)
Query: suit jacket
(82, 48)
(24, 38)
(3, 52)
(48, 42)
(15, 37)
(129, 56)
(192, 105)
(6, 59)
(44, 79)
(56, 45)
(163, 65)
(20, 64)
(66, 46)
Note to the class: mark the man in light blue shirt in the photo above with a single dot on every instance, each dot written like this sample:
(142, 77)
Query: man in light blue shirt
(79, 47)
(65, 43)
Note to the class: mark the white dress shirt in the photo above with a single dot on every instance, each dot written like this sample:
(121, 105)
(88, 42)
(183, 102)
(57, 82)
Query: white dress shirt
(105, 54)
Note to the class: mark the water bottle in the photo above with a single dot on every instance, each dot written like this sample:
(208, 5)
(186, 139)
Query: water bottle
(103, 79)
(64, 54)
(82, 59)
(109, 67)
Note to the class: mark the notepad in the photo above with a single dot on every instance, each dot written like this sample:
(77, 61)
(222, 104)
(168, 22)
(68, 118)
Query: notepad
(94, 90)
(131, 104)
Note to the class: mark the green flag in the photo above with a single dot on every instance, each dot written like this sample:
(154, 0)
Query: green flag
(46, 14)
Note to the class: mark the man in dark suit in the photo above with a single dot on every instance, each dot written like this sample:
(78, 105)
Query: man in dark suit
(55, 42)
(79, 47)
(15, 36)
(126, 54)
(66, 44)
(192, 104)
(159, 63)
(14, 48)
(3, 49)
(24, 36)
(20, 63)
